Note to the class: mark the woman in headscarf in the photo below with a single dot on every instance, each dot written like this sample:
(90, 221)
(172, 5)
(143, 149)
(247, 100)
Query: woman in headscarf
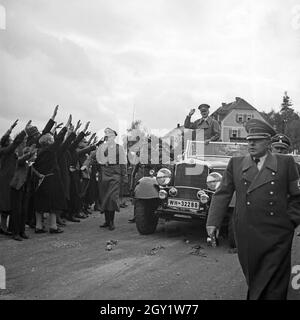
(111, 157)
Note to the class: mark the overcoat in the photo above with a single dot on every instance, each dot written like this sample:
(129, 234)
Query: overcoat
(49, 193)
(210, 126)
(266, 213)
(113, 170)
(8, 160)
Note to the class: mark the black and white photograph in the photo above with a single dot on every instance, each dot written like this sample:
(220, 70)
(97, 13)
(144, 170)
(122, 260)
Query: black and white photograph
(149, 153)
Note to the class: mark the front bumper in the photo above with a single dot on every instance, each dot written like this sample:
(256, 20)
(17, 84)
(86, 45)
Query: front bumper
(165, 212)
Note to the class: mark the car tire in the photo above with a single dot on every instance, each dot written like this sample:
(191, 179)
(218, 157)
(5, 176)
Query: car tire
(145, 217)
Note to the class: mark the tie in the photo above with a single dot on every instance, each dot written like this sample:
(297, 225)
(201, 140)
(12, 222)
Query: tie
(256, 160)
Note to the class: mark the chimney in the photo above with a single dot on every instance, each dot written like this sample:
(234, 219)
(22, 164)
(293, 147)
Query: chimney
(178, 125)
(237, 99)
(223, 104)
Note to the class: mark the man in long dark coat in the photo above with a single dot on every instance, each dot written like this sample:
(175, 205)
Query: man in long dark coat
(8, 160)
(266, 214)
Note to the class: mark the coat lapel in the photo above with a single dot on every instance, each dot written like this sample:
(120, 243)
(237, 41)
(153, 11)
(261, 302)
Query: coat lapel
(249, 169)
(266, 174)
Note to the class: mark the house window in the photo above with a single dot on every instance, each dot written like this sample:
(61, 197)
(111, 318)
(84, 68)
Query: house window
(250, 116)
(234, 133)
(239, 118)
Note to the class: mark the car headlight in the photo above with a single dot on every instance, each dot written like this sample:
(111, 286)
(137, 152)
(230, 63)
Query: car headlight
(162, 194)
(163, 176)
(202, 196)
(213, 180)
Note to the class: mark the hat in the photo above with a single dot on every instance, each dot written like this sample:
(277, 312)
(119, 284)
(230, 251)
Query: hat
(32, 131)
(281, 140)
(109, 131)
(203, 105)
(258, 129)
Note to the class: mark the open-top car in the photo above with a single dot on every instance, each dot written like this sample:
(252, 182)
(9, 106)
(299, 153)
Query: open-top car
(183, 191)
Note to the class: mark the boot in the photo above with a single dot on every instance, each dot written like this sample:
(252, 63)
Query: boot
(111, 220)
(107, 218)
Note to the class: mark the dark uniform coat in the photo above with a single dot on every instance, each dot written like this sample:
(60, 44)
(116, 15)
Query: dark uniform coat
(49, 193)
(210, 126)
(8, 160)
(266, 214)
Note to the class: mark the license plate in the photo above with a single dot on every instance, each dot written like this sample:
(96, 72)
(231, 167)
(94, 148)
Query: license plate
(178, 203)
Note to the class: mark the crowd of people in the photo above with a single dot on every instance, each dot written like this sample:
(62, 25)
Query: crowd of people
(58, 172)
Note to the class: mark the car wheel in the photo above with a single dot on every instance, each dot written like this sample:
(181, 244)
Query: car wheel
(145, 217)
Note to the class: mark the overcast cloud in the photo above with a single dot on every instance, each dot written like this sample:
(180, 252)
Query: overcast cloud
(102, 59)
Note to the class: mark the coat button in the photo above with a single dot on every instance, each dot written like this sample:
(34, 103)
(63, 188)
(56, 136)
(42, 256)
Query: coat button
(271, 213)
(271, 193)
(248, 203)
(273, 173)
(245, 183)
(272, 182)
(271, 203)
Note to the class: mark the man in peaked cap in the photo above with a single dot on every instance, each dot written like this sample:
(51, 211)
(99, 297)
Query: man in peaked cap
(280, 144)
(210, 126)
(267, 211)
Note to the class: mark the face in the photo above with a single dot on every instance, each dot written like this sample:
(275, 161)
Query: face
(258, 147)
(204, 112)
(279, 149)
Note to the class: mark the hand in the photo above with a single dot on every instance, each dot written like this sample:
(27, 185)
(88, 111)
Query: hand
(86, 126)
(191, 112)
(91, 138)
(78, 125)
(69, 121)
(95, 139)
(28, 124)
(54, 113)
(212, 230)
(70, 128)
(14, 124)
(87, 133)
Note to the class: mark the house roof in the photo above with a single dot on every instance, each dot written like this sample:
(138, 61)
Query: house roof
(239, 104)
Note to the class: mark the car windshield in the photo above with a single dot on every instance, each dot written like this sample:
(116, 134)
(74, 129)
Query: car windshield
(215, 150)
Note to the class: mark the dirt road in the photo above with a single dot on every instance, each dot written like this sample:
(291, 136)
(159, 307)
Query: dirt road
(173, 263)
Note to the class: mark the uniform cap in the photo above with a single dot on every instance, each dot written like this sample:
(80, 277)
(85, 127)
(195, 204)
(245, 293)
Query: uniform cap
(204, 106)
(258, 129)
(109, 131)
(281, 140)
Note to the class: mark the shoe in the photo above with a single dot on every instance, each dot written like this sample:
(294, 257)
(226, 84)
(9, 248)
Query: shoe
(80, 216)
(131, 220)
(104, 225)
(40, 230)
(17, 237)
(60, 224)
(123, 205)
(5, 232)
(51, 230)
(111, 227)
(24, 235)
(87, 212)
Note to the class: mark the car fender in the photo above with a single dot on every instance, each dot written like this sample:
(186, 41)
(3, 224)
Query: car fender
(146, 188)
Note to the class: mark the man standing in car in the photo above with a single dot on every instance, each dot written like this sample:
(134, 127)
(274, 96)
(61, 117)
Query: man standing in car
(211, 127)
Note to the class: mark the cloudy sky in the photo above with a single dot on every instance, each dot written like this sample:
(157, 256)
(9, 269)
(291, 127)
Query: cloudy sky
(109, 60)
